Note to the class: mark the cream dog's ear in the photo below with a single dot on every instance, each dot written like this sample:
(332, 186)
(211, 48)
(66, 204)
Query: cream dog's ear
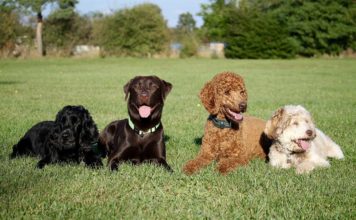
(207, 97)
(273, 125)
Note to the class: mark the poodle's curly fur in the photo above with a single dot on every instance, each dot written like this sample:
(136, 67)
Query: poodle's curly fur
(225, 97)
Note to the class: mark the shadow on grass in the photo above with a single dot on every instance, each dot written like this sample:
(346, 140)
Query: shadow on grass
(166, 138)
(10, 82)
(198, 141)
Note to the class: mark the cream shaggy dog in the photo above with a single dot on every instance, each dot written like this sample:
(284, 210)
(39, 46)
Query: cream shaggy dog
(296, 141)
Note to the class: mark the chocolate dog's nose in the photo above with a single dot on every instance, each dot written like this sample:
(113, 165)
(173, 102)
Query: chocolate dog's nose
(243, 106)
(309, 132)
(144, 95)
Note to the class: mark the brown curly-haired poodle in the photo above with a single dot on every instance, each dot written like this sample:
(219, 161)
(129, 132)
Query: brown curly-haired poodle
(230, 138)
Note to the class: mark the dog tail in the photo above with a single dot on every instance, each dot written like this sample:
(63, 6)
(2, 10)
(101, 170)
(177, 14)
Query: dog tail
(329, 146)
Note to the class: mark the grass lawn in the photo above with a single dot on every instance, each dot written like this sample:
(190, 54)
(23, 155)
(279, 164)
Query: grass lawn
(34, 90)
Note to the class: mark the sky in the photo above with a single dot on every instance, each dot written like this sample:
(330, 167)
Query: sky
(171, 9)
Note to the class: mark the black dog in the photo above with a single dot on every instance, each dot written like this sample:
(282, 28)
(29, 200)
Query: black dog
(72, 137)
(139, 138)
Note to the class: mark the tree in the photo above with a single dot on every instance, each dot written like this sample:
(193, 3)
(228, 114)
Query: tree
(36, 6)
(281, 28)
(10, 28)
(185, 33)
(138, 31)
(253, 35)
(186, 23)
(64, 27)
(214, 16)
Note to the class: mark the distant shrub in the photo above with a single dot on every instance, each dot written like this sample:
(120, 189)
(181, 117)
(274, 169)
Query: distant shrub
(139, 31)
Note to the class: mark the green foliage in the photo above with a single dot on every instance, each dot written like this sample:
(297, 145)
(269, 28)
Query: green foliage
(186, 23)
(185, 34)
(320, 27)
(34, 90)
(64, 28)
(11, 30)
(138, 31)
(254, 35)
(190, 45)
(214, 16)
(8, 28)
(281, 29)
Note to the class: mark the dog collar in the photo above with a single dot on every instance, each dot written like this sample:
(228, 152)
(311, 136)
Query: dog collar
(219, 123)
(140, 132)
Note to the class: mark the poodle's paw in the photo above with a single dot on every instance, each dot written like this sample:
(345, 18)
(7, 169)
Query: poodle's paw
(190, 168)
(224, 169)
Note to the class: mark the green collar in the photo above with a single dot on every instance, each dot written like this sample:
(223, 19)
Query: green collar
(219, 123)
(140, 132)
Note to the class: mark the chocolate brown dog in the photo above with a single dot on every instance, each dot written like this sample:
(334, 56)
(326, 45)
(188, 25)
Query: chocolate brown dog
(139, 138)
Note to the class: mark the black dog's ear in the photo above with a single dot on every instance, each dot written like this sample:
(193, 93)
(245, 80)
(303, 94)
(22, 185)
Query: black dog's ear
(127, 88)
(167, 87)
(61, 113)
(89, 132)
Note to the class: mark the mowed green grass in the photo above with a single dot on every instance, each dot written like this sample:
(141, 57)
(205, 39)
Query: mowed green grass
(34, 90)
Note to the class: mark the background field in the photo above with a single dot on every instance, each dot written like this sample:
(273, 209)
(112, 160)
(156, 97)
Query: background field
(32, 91)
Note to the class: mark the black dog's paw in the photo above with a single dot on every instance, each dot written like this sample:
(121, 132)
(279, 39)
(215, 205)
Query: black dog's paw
(40, 164)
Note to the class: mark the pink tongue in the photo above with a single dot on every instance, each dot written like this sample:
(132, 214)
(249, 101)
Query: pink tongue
(144, 111)
(237, 116)
(304, 144)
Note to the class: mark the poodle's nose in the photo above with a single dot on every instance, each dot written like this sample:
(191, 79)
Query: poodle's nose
(309, 132)
(243, 106)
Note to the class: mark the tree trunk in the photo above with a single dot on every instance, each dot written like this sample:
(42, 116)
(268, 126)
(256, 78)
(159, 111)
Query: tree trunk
(39, 34)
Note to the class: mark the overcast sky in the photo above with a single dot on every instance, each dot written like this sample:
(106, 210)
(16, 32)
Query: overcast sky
(171, 9)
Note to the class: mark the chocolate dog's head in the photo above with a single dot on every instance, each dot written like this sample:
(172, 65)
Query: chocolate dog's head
(146, 95)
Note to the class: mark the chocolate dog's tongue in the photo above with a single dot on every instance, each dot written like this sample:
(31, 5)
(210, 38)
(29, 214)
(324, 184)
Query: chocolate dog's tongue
(144, 111)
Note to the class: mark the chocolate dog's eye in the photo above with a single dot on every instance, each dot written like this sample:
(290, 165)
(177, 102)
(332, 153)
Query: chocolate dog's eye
(227, 92)
(242, 93)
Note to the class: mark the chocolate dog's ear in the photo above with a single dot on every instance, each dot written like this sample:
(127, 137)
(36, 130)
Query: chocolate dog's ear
(127, 88)
(207, 97)
(167, 87)
(273, 126)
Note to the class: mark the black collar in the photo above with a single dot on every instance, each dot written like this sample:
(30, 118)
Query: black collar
(219, 123)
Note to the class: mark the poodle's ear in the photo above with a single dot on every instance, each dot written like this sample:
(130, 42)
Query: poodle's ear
(167, 87)
(273, 126)
(127, 88)
(207, 97)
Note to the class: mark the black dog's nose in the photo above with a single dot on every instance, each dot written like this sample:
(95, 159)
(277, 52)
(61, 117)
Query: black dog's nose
(309, 132)
(65, 134)
(243, 106)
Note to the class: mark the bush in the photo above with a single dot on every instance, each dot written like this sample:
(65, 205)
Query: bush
(140, 31)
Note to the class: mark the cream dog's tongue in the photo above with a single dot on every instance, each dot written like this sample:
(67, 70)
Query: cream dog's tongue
(304, 144)
(144, 111)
